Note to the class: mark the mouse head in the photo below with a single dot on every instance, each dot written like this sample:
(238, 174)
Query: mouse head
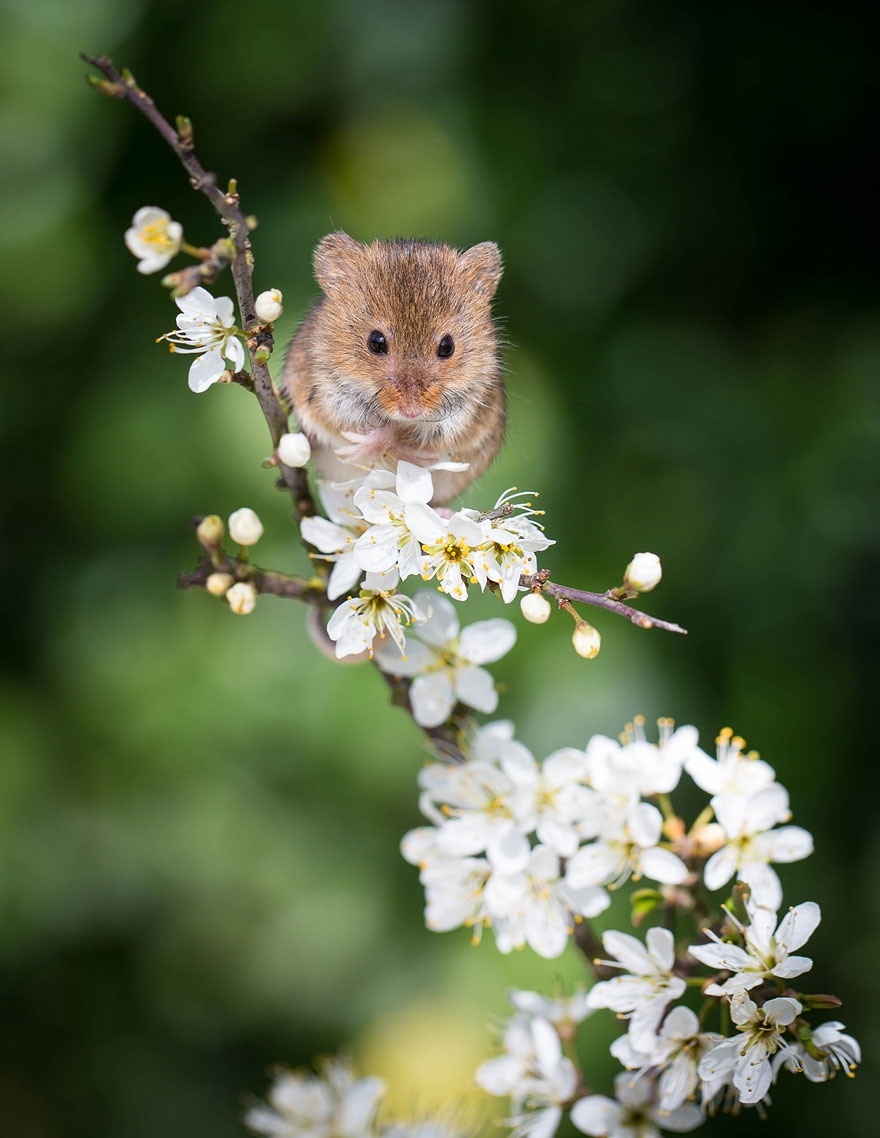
(411, 322)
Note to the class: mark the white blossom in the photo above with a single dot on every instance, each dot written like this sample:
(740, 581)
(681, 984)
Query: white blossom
(819, 1057)
(335, 536)
(531, 906)
(632, 1113)
(268, 308)
(551, 799)
(535, 608)
(539, 1079)
(564, 1012)
(333, 1104)
(475, 815)
(206, 326)
(629, 849)
(752, 843)
(503, 787)
(210, 531)
(445, 661)
(294, 449)
(218, 584)
(245, 527)
(504, 1074)
(733, 773)
(456, 787)
(389, 542)
(454, 890)
(509, 547)
(242, 598)
(154, 238)
(766, 953)
(635, 767)
(674, 1055)
(586, 640)
(745, 1058)
(642, 995)
(451, 550)
(536, 907)
(643, 573)
(374, 612)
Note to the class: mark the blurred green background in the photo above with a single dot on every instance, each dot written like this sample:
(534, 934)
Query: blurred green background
(199, 818)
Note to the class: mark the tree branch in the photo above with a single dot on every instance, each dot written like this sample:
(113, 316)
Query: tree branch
(241, 261)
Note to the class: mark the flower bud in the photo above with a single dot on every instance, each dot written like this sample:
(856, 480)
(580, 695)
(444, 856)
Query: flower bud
(268, 306)
(535, 608)
(294, 450)
(217, 584)
(586, 640)
(242, 598)
(245, 527)
(210, 531)
(643, 573)
(821, 1000)
(708, 838)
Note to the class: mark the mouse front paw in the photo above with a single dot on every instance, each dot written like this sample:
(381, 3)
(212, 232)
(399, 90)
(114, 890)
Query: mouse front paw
(365, 448)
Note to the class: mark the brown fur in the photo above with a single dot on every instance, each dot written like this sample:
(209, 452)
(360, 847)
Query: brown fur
(408, 403)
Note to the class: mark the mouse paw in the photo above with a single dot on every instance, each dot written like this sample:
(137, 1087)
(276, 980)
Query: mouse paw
(416, 455)
(365, 448)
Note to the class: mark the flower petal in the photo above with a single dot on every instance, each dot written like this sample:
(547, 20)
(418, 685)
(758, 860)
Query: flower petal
(596, 1115)
(206, 370)
(432, 699)
(486, 641)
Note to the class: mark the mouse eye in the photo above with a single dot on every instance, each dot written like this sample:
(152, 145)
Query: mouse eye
(377, 343)
(446, 347)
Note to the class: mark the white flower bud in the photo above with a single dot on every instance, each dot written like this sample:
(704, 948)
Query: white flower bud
(535, 608)
(245, 527)
(643, 573)
(218, 584)
(294, 450)
(586, 640)
(268, 306)
(707, 839)
(210, 531)
(242, 598)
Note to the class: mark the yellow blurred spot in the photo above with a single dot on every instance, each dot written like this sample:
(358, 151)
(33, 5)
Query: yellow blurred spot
(427, 1052)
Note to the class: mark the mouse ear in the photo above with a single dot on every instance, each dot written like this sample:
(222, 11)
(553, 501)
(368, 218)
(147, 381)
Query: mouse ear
(335, 257)
(482, 263)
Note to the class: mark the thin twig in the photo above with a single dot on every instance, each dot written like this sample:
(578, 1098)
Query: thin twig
(589, 944)
(264, 581)
(124, 86)
(541, 580)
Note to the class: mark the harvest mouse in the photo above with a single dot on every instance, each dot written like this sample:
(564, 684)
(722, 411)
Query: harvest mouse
(400, 360)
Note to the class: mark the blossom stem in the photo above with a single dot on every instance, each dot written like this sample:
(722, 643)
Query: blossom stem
(705, 816)
(665, 803)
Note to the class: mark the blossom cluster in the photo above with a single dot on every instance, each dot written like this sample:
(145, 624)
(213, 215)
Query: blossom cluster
(677, 1074)
(527, 848)
(676, 1071)
(206, 325)
(334, 1103)
(380, 530)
